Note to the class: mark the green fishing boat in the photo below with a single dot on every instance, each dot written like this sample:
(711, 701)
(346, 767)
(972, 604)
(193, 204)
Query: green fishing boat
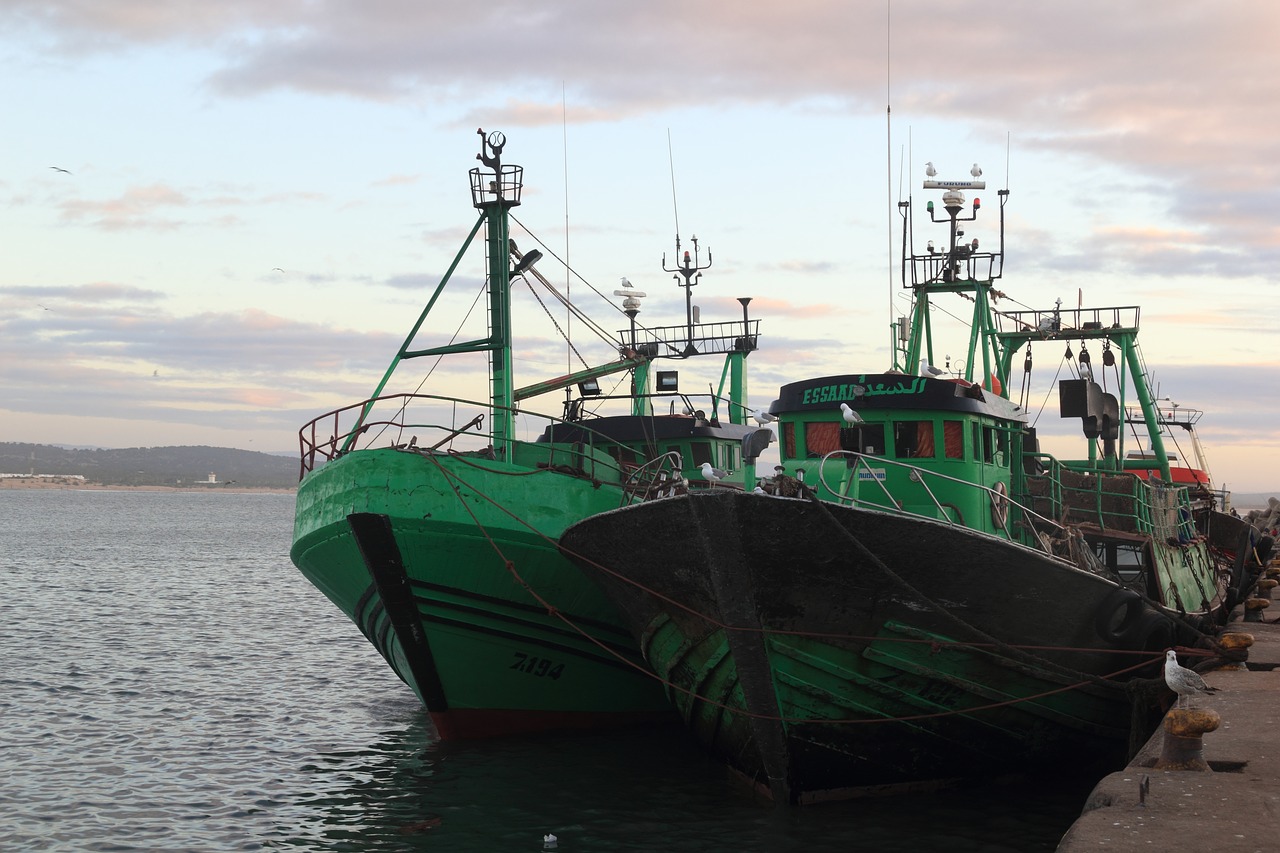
(432, 521)
(921, 594)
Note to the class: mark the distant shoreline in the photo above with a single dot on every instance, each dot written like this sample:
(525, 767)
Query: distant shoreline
(16, 484)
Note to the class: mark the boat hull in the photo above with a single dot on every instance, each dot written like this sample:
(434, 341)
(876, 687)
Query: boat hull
(484, 619)
(824, 651)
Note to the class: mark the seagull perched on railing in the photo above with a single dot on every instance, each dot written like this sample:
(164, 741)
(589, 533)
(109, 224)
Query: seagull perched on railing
(850, 416)
(762, 417)
(1185, 682)
(713, 475)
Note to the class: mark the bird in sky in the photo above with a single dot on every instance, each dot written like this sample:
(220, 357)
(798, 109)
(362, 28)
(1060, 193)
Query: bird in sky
(276, 269)
(762, 417)
(1185, 682)
(713, 475)
(60, 169)
(850, 416)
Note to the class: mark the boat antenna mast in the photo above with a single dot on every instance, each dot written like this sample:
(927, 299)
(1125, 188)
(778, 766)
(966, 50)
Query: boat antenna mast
(689, 268)
(494, 194)
(961, 267)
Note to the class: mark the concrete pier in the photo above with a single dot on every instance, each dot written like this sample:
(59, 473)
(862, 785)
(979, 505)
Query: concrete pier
(1234, 805)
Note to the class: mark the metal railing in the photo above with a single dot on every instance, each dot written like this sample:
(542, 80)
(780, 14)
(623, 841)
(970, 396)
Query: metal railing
(1000, 503)
(412, 422)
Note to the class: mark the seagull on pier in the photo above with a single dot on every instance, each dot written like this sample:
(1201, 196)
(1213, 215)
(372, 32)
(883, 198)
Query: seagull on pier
(1185, 682)
(713, 475)
(850, 416)
(762, 417)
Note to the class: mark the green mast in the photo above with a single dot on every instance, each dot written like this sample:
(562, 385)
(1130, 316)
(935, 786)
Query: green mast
(494, 194)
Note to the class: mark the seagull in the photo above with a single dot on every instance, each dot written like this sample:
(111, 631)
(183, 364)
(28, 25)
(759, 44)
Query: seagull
(929, 170)
(976, 171)
(850, 416)
(549, 841)
(1185, 682)
(713, 475)
(762, 417)
(60, 169)
(276, 269)
(927, 369)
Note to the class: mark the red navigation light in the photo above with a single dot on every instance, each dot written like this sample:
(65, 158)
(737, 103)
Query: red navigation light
(977, 203)
(686, 258)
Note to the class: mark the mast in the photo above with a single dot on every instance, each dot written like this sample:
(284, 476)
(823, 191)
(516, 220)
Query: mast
(494, 194)
(960, 267)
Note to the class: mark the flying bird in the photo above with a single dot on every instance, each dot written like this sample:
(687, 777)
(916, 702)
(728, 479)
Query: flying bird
(60, 169)
(976, 171)
(850, 416)
(929, 170)
(1185, 682)
(713, 475)
(276, 269)
(762, 417)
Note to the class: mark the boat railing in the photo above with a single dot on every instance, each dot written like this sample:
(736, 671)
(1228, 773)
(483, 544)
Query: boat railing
(660, 477)
(1002, 506)
(1082, 322)
(414, 422)
(698, 339)
(1109, 500)
(962, 266)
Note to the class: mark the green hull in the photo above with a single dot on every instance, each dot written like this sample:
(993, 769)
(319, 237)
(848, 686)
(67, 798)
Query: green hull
(514, 638)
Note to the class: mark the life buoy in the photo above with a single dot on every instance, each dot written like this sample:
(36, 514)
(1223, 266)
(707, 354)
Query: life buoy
(999, 504)
(1118, 614)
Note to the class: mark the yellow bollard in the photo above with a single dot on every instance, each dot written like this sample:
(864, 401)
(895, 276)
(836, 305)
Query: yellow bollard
(1183, 739)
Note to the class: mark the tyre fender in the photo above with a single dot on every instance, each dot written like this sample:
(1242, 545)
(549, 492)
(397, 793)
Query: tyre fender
(1118, 614)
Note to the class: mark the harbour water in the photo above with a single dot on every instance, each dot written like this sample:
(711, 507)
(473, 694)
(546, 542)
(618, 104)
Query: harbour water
(170, 682)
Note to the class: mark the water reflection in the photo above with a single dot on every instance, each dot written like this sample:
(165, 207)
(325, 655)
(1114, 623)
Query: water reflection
(634, 791)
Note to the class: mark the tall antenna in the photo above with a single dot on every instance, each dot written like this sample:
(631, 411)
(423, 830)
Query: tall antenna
(671, 160)
(568, 327)
(1008, 144)
(888, 152)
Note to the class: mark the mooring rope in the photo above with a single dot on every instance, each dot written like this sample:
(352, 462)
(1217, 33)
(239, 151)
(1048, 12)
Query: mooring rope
(552, 610)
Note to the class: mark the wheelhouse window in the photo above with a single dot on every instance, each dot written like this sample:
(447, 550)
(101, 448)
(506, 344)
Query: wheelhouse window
(700, 451)
(821, 438)
(953, 439)
(866, 438)
(914, 440)
(995, 445)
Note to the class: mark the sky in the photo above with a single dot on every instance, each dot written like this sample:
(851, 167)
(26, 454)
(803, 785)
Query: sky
(260, 195)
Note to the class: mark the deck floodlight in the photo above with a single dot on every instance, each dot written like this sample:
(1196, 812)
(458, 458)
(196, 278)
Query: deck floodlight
(588, 387)
(668, 380)
(530, 258)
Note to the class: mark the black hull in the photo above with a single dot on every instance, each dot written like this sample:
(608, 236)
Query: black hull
(827, 651)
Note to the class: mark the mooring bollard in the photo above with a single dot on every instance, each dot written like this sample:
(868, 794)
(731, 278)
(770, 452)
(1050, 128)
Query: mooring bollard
(1183, 744)
(1253, 608)
(1235, 650)
(1266, 586)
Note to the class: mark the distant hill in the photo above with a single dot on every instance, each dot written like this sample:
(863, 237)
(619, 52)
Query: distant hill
(152, 466)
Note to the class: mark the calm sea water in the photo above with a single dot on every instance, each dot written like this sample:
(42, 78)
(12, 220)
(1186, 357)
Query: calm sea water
(168, 682)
